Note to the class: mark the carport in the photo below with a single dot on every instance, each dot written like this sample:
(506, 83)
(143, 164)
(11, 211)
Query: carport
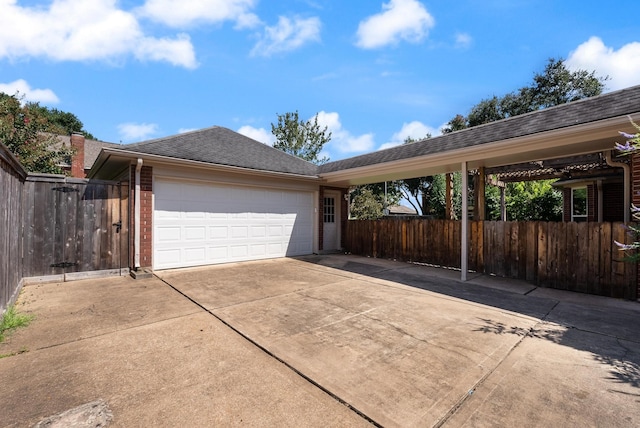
(589, 126)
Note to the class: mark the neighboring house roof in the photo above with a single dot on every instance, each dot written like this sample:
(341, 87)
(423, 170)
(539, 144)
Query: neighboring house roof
(610, 105)
(401, 210)
(92, 148)
(222, 146)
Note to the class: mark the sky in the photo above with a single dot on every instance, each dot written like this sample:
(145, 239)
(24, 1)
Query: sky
(374, 72)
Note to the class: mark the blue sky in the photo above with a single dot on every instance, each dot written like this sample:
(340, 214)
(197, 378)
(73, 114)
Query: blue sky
(375, 72)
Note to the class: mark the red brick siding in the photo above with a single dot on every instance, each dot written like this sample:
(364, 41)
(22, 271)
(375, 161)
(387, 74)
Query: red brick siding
(146, 216)
(613, 202)
(592, 202)
(566, 204)
(77, 159)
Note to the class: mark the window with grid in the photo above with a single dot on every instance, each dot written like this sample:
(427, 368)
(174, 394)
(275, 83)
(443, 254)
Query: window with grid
(579, 209)
(329, 210)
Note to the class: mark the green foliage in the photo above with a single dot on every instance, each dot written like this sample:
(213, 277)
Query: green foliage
(437, 200)
(533, 201)
(554, 86)
(492, 203)
(368, 201)
(60, 122)
(12, 320)
(304, 139)
(25, 131)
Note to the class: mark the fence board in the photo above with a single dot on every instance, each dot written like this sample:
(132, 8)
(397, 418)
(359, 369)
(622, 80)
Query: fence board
(573, 256)
(583, 256)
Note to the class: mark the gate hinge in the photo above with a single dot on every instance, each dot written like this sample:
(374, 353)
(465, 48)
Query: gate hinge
(63, 264)
(65, 189)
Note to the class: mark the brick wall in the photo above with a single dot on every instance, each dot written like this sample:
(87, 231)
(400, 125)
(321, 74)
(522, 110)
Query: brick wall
(592, 202)
(613, 202)
(77, 159)
(566, 204)
(146, 216)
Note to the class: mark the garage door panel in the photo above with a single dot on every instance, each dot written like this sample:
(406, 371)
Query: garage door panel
(195, 255)
(218, 232)
(196, 224)
(218, 253)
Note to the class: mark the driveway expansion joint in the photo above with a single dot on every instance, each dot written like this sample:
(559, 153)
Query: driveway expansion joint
(274, 356)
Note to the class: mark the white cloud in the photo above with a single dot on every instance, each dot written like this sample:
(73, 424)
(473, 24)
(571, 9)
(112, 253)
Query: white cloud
(22, 88)
(287, 35)
(137, 131)
(258, 134)
(406, 20)
(191, 12)
(185, 130)
(463, 40)
(97, 30)
(622, 66)
(341, 139)
(416, 130)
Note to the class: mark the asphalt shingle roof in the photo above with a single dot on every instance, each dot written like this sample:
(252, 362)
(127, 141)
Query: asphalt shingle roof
(613, 104)
(92, 151)
(222, 146)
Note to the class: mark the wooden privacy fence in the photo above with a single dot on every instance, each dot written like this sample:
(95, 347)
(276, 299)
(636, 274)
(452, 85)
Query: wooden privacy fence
(570, 256)
(12, 177)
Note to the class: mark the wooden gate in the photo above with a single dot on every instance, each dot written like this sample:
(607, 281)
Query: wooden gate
(74, 225)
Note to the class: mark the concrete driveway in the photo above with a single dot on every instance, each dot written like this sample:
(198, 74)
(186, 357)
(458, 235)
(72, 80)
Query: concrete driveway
(323, 341)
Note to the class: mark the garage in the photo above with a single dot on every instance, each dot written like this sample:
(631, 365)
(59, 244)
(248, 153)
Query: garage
(202, 223)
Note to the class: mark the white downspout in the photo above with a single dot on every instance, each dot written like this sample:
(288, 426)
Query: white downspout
(464, 244)
(136, 242)
(627, 183)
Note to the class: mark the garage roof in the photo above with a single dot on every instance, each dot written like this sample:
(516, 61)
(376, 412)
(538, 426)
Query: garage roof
(222, 146)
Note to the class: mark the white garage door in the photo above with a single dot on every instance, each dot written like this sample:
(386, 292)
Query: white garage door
(200, 224)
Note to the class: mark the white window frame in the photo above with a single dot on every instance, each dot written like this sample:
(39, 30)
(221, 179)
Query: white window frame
(329, 210)
(580, 217)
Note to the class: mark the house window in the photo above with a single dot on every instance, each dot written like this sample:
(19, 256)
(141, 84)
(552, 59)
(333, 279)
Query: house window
(329, 210)
(579, 204)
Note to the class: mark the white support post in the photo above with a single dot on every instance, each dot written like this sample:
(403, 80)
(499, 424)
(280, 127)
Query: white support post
(464, 247)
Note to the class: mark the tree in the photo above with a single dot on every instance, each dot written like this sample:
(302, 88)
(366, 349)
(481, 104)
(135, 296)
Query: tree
(533, 200)
(61, 122)
(554, 86)
(304, 139)
(369, 200)
(24, 131)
